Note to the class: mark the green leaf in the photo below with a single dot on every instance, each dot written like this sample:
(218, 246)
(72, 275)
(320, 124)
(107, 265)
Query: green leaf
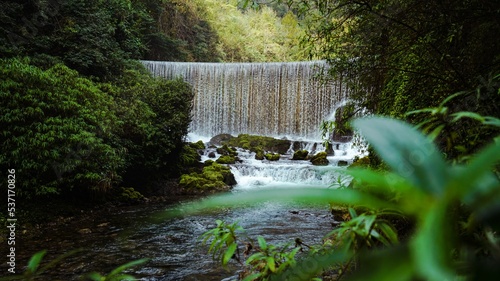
(95, 276)
(35, 260)
(435, 133)
(229, 253)
(262, 243)
(312, 265)
(300, 195)
(388, 231)
(123, 267)
(252, 277)
(408, 152)
(465, 180)
(271, 264)
(431, 247)
(493, 121)
(459, 115)
(388, 264)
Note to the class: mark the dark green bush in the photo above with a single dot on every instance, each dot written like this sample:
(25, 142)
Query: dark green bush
(65, 134)
(54, 125)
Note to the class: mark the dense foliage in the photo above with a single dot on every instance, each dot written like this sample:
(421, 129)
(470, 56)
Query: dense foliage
(66, 134)
(401, 56)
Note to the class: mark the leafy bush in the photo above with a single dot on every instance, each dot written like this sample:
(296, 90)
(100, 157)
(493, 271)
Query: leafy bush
(155, 115)
(52, 124)
(73, 136)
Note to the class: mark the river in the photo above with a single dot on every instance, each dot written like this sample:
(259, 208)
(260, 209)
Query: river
(120, 235)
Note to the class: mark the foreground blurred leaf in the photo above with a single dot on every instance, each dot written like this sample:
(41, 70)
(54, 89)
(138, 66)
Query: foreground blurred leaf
(312, 266)
(406, 151)
(431, 247)
(298, 195)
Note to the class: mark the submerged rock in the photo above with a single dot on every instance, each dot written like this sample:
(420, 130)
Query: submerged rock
(319, 159)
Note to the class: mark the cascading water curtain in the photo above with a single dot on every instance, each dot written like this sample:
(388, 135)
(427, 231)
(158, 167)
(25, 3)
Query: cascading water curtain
(273, 99)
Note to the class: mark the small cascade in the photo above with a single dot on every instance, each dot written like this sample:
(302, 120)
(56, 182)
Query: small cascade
(270, 99)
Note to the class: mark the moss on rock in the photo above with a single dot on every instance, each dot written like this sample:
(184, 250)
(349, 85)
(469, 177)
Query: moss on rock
(226, 150)
(364, 162)
(300, 155)
(214, 177)
(226, 159)
(319, 159)
(253, 143)
(259, 154)
(272, 156)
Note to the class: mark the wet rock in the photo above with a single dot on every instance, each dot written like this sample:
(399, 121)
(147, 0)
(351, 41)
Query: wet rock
(342, 163)
(219, 139)
(226, 159)
(272, 156)
(211, 154)
(319, 159)
(253, 143)
(226, 150)
(259, 154)
(300, 155)
(329, 150)
(85, 231)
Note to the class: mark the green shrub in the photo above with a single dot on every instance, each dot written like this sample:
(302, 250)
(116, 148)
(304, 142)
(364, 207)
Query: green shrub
(55, 127)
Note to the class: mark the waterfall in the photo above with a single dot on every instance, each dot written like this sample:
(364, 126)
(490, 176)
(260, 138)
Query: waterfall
(272, 99)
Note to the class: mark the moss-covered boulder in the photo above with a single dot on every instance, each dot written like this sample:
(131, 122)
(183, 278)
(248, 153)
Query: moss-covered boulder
(198, 145)
(226, 150)
(300, 155)
(226, 159)
(259, 154)
(319, 159)
(190, 154)
(214, 177)
(363, 162)
(253, 143)
(272, 156)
